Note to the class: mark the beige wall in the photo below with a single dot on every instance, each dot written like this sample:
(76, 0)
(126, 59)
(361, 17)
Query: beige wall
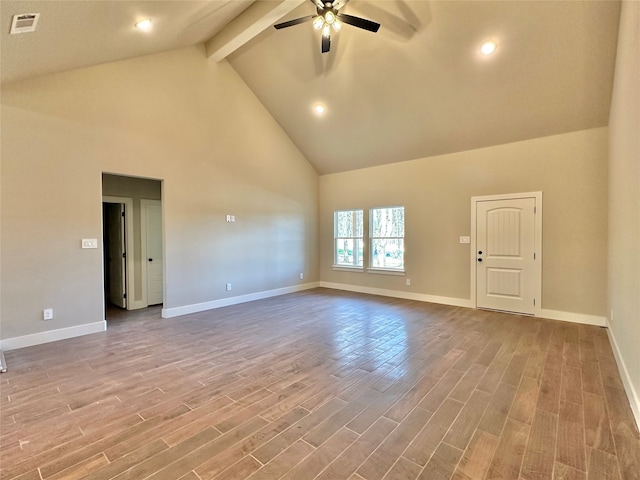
(136, 189)
(624, 199)
(570, 170)
(174, 116)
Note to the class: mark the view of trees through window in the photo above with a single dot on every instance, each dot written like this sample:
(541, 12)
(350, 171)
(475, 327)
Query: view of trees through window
(387, 237)
(348, 234)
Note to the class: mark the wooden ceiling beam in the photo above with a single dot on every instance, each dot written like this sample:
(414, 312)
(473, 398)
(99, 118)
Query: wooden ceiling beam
(250, 23)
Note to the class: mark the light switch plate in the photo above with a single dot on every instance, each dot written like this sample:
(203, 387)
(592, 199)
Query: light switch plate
(89, 243)
(465, 239)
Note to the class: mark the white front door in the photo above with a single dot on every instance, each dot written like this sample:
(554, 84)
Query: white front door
(505, 255)
(153, 242)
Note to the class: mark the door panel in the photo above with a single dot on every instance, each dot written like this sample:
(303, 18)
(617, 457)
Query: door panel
(155, 283)
(505, 240)
(116, 253)
(504, 282)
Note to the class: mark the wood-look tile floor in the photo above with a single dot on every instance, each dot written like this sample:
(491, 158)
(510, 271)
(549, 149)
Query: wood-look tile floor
(320, 384)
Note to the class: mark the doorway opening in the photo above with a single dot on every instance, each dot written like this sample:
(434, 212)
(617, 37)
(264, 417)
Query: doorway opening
(132, 244)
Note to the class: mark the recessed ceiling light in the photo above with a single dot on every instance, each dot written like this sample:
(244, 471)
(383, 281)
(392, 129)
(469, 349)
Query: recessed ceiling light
(144, 24)
(488, 48)
(319, 109)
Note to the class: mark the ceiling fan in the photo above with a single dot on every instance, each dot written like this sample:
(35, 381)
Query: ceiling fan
(330, 19)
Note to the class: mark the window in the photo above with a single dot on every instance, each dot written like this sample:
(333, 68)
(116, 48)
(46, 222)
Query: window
(348, 240)
(387, 238)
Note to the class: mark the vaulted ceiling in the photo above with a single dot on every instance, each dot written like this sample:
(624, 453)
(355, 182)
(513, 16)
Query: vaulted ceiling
(419, 87)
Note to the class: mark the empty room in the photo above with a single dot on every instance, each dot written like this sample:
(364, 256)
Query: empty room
(360, 240)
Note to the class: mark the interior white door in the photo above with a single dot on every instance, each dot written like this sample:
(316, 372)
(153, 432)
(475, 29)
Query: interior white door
(153, 229)
(505, 256)
(116, 249)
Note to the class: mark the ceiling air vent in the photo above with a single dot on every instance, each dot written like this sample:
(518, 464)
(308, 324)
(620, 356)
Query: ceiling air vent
(24, 23)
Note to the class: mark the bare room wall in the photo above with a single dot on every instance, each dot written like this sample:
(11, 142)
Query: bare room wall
(624, 203)
(175, 116)
(570, 170)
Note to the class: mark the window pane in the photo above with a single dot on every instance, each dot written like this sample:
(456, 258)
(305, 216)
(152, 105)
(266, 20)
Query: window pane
(359, 215)
(376, 222)
(359, 253)
(398, 222)
(387, 253)
(349, 252)
(348, 223)
(387, 222)
(344, 251)
(344, 224)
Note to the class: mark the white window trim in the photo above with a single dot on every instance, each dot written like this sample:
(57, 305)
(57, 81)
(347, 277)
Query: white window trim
(346, 268)
(386, 271)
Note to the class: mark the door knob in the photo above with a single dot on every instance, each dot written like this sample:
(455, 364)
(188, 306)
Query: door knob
(479, 252)
(479, 259)
(151, 259)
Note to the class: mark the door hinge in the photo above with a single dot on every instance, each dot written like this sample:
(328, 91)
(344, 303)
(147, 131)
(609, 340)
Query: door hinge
(534, 255)
(124, 295)
(124, 255)
(123, 214)
(535, 210)
(534, 302)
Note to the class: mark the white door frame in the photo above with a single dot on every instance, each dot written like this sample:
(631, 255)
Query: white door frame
(130, 277)
(537, 242)
(143, 244)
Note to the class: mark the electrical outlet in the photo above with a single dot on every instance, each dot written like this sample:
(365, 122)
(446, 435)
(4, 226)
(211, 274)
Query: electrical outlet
(228, 287)
(611, 317)
(408, 281)
(89, 243)
(465, 239)
(47, 314)
(301, 276)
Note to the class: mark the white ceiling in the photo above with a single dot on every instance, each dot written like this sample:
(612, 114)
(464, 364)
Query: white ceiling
(419, 87)
(78, 33)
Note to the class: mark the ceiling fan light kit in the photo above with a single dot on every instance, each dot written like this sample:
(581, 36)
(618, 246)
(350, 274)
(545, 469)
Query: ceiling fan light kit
(329, 19)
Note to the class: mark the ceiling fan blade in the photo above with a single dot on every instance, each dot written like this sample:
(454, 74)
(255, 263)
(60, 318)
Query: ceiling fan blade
(318, 3)
(359, 22)
(326, 43)
(291, 23)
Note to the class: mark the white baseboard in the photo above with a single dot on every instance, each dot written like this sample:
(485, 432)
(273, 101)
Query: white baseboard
(462, 302)
(421, 297)
(632, 394)
(573, 317)
(52, 335)
(225, 302)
